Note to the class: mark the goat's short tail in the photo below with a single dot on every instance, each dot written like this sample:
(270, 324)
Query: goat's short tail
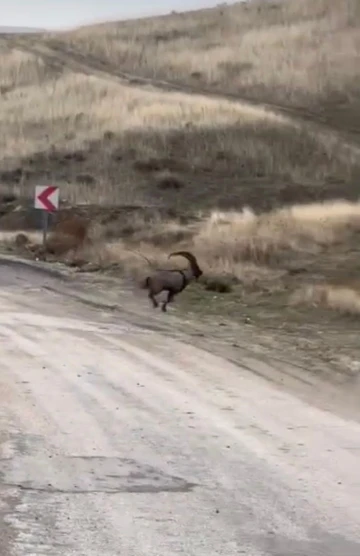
(144, 283)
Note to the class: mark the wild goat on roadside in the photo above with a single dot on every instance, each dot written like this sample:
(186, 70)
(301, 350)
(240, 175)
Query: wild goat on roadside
(173, 281)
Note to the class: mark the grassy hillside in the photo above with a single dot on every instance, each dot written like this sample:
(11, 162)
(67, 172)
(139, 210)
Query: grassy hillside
(67, 115)
(294, 53)
(252, 105)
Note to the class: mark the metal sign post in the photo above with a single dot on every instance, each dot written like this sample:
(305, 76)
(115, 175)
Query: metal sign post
(46, 200)
(45, 225)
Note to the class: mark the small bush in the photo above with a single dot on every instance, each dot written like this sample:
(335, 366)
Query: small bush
(167, 180)
(220, 284)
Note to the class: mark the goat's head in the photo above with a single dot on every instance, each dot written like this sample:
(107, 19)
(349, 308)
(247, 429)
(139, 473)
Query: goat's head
(196, 270)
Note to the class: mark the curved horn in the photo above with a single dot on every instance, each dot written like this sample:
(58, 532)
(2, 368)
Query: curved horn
(189, 256)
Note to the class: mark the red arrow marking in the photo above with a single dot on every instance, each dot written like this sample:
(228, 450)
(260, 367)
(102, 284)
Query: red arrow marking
(44, 198)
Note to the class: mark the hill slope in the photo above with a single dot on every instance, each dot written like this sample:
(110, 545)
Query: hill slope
(296, 54)
(76, 109)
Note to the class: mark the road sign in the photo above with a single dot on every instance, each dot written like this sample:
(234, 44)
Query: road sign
(47, 200)
(47, 197)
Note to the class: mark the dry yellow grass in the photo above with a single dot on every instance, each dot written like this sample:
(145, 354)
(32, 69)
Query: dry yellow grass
(19, 68)
(237, 245)
(113, 126)
(260, 238)
(289, 51)
(225, 240)
(342, 299)
(244, 248)
(75, 108)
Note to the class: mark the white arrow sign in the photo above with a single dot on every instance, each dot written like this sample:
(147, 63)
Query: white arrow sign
(47, 197)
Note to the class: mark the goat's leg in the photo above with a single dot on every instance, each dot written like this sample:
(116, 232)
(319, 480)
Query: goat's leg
(170, 298)
(152, 298)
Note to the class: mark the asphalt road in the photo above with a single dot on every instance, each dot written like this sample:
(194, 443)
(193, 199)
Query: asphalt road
(116, 440)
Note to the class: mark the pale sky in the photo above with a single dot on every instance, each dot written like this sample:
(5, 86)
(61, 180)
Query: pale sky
(59, 14)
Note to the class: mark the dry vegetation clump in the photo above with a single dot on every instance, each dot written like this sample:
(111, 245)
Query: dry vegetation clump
(264, 237)
(293, 52)
(21, 240)
(342, 299)
(19, 68)
(71, 234)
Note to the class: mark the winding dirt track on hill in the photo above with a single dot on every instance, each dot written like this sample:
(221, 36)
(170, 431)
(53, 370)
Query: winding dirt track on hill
(116, 439)
(61, 56)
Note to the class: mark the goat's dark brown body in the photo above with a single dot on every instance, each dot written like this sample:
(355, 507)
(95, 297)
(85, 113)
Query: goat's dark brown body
(172, 281)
